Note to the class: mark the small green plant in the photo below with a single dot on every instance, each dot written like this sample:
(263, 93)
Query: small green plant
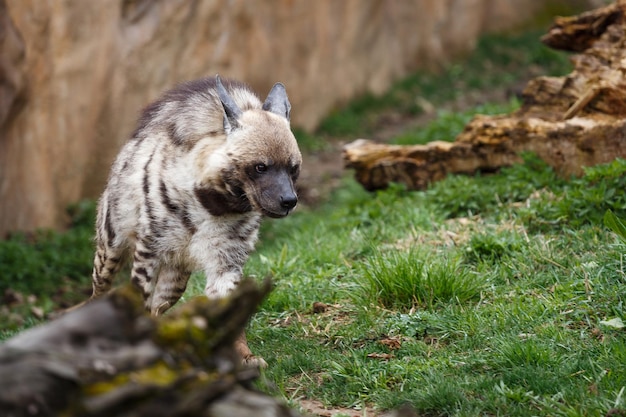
(582, 200)
(617, 225)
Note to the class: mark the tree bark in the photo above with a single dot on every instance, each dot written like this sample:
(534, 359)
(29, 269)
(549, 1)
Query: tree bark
(110, 358)
(570, 122)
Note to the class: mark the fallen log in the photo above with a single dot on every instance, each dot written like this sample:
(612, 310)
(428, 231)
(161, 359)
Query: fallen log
(570, 122)
(110, 358)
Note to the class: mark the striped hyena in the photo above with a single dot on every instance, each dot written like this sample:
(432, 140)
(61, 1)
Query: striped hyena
(188, 191)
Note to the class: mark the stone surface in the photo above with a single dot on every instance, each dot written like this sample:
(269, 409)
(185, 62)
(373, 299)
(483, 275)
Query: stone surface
(74, 74)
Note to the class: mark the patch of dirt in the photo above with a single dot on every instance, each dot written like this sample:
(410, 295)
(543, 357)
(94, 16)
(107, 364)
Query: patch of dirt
(316, 408)
(16, 307)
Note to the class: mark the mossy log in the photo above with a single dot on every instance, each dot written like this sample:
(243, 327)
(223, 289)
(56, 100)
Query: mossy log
(110, 358)
(570, 122)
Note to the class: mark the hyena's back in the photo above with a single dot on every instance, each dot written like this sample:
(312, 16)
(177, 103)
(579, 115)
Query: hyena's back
(150, 211)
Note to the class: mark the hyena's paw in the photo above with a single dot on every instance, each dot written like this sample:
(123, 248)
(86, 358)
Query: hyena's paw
(254, 362)
(161, 308)
(247, 358)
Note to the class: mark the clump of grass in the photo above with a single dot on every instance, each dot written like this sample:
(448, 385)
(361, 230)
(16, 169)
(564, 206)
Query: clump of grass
(490, 247)
(532, 366)
(404, 279)
(441, 397)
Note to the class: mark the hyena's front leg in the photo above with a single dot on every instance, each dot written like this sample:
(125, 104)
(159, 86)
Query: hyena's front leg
(223, 268)
(170, 286)
(220, 286)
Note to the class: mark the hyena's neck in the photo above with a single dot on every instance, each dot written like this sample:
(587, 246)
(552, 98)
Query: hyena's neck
(199, 173)
(218, 201)
(218, 191)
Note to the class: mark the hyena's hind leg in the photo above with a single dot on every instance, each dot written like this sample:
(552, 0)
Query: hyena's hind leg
(145, 270)
(107, 262)
(170, 286)
(110, 251)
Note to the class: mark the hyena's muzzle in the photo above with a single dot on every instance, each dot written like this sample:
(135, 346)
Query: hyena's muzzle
(274, 191)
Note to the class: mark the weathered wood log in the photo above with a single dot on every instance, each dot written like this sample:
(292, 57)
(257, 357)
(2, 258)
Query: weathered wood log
(570, 122)
(578, 33)
(110, 358)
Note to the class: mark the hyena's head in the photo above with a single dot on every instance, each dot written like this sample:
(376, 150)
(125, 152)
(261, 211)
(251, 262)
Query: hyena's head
(260, 160)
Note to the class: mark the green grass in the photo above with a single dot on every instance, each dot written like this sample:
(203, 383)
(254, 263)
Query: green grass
(35, 261)
(447, 125)
(483, 295)
(406, 279)
(46, 269)
(493, 314)
(528, 336)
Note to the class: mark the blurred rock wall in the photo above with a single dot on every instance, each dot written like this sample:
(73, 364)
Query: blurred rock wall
(74, 74)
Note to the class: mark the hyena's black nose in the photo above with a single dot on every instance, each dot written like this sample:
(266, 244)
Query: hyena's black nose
(288, 202)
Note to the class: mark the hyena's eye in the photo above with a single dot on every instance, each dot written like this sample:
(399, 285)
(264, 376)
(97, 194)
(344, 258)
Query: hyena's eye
(260, 168)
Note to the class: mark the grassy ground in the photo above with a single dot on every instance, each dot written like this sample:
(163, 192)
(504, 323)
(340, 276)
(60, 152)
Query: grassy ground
(484, 295)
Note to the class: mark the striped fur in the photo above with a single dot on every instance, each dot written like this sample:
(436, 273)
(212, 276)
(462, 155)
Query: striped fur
(188, 191)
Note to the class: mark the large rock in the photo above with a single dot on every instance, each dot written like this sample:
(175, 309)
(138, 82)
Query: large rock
(74, 74)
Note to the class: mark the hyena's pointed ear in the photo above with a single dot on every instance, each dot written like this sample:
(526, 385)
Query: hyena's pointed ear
(277, 101)
(231, 109)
